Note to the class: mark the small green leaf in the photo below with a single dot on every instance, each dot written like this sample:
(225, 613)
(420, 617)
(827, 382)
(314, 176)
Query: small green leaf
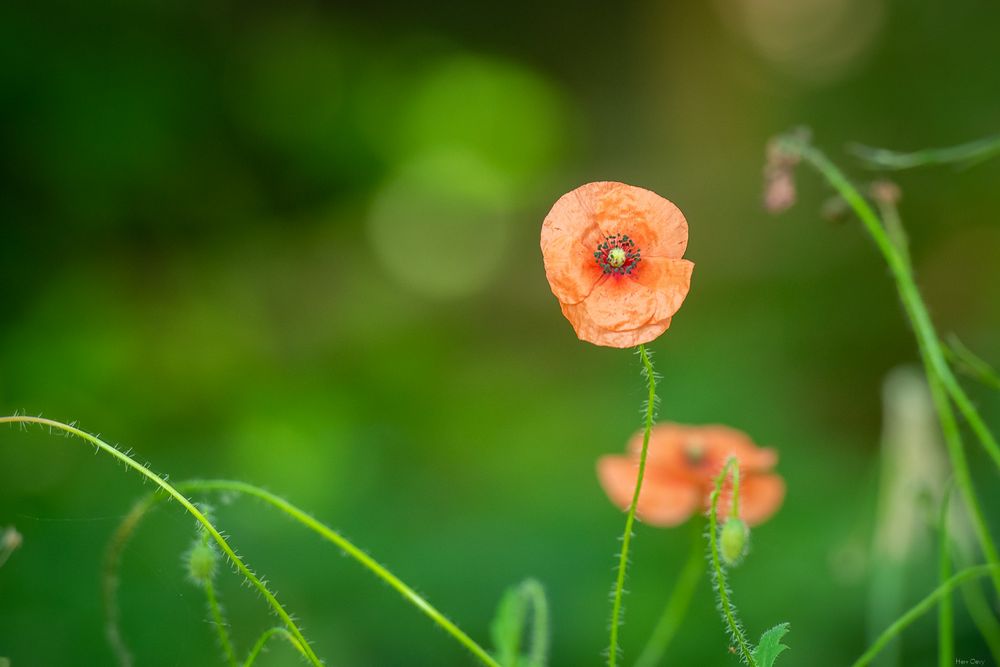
(511, 623)
(770, 646)
(508, 626)
(965, 361)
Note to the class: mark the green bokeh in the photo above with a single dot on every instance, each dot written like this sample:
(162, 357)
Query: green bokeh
(195, 208)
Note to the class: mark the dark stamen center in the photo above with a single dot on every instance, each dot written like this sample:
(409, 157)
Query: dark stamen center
(617, 254)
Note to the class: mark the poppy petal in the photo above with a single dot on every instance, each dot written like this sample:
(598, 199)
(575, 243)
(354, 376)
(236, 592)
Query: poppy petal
(666, 445)
(723, 442)
(760, 498)
(590, 332)
(656, 225)
(669, 278)
(571, 271)
(621, 304)
(663, 500)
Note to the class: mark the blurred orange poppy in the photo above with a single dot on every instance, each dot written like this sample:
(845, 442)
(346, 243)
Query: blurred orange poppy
(612, 256)
(681, 466)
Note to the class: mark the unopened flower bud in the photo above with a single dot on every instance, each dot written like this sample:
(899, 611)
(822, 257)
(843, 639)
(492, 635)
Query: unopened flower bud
(734, 541)
(201, 560)
(779, 190)
(885, 192)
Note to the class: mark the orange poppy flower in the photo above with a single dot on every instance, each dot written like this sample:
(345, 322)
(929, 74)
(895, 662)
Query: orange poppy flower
(681, 466)
(612, 256)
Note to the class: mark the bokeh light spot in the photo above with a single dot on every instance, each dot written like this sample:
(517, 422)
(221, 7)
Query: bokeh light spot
(505, 114)
(440, 225)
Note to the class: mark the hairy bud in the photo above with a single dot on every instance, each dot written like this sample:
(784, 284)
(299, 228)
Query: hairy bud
(734, 541)
(202, 561)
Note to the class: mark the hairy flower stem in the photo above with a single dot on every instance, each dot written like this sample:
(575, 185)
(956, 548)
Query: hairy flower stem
(219, 621)
(616, 605)
(941, 380)
(218, 618)
(718, 571)
(194, 511)
(265, 637)
(324, 531)
(670, 622)
(922, 608)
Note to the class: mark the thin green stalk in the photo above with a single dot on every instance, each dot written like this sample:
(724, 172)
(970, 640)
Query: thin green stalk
(960, 468)
(300, 516)
(719, 572)
(922, 608)
(946, 619)
(734, 509)
(616, 605)
(908, 292)
(538, 651)
(354, 552)
(194, 511)
(968, 153)
(982, 617)
(220, 623)
(215, 609)
(966, 361)
(894, 228)
(673, 614)
(265, 637)
(939, 376)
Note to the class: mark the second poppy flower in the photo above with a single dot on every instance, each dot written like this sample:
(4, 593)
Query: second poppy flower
(681, 467)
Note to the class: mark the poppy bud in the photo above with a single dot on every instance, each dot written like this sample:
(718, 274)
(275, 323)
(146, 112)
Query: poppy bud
(885, 192)
(734, 541)
(201, 560)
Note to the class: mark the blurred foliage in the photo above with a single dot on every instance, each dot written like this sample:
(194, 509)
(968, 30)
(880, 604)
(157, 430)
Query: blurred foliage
(297, 244)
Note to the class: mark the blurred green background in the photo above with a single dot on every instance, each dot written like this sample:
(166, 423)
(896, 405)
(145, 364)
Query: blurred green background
(297, 244)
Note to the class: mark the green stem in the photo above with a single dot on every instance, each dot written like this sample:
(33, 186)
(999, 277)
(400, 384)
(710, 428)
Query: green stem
(194, 511)
(969, 153)
(265, 637)
(908, 292)
(966, 361)
(539, 650)
(354, 552)
(673, 614)
(327, 533)
(215, 609)
(220, 623)
(616, 605)
(982, 617)
(939, 376)
(719, 572)
(922, 608)
(109, 576)
(946, 620)
(895, 230)
(734, 511)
